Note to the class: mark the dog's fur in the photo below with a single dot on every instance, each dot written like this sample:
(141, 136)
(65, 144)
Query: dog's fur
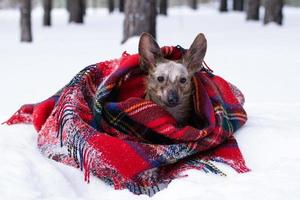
(169, 83)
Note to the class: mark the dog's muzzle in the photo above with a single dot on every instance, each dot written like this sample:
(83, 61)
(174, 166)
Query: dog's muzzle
(172, 98)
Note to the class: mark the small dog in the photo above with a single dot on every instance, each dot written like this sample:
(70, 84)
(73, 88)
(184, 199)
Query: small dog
(169, 83)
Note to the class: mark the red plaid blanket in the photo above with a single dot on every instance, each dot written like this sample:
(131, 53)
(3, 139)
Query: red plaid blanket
(101, 123)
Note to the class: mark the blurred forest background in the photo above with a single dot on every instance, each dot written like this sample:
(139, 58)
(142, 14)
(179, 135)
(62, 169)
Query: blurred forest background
(140, 15)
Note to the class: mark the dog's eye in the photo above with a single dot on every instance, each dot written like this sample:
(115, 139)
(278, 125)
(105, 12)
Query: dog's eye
(160, 79)
(182, 80)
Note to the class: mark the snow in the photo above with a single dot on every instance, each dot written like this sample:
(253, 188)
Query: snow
(262, 61)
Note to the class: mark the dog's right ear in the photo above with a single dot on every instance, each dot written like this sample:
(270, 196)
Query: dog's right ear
(149, 52)
(194, 56)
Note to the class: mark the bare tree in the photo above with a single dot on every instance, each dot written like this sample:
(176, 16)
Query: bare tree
(68, 5)
(273, 11)
(77, 10)
(111, 5)
(94, 3)
(121, 5)
(140, 16)
(84, 4)
(47, 5)
(193, 4)
(25, 9)
(223, 6)
(252, 9)
(163, 7)
(238, 5)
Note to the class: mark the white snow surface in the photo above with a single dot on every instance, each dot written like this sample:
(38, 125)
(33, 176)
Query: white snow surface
(263, 61)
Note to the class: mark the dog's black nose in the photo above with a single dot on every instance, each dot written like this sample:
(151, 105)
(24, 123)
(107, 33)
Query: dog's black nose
(173, 98)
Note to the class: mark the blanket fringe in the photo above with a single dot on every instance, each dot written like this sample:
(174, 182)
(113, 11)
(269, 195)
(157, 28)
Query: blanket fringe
(199, 164)
(238, 165)
(209, 167)
(147, 190)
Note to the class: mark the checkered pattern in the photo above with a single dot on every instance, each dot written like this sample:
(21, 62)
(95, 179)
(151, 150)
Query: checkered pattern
(101, 123)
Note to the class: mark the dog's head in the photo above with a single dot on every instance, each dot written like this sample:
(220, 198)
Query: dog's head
(169, 82)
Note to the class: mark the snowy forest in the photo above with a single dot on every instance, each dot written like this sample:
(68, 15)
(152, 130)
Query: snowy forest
(60, 57)
(147, 10)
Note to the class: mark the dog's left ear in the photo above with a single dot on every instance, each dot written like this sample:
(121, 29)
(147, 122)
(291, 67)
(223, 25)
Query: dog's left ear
(194, 56)
(149, 52)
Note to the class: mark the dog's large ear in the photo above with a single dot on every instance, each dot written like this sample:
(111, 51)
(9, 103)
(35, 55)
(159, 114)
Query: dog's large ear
(149, 52)
(194, 56)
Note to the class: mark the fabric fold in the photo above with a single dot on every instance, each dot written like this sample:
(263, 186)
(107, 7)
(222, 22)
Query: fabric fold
(101, 123)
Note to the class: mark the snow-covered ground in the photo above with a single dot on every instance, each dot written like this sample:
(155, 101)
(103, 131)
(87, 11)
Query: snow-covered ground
(263, 61)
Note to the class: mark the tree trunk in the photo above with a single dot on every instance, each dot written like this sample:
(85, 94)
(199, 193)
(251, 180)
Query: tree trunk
(47, 5)
(84, 7)
(163, 7)
(140, 16)
(193, 4)
(223, 6)
(238, 5)
(253, 9)
(68, 5)
(273, 11)
(25, 9)
(77, 10)
(94, 3)
(121, 5)
(111, 5)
